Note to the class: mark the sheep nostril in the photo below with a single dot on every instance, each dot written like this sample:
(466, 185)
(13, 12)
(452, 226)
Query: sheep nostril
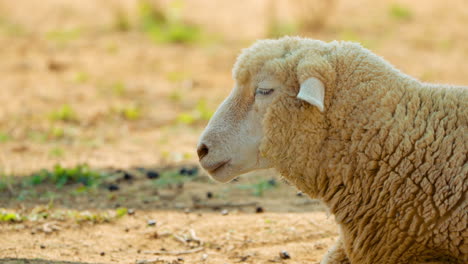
(202, 151)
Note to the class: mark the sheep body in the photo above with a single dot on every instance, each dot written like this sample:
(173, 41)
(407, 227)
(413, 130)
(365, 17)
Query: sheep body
(388, 155)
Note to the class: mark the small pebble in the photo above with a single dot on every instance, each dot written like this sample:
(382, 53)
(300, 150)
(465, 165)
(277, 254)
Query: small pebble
(42, 246)
(151, 222)
(204, 256)
(300, 194)
(102, 253)
(209, 195)
(224, 212)
(113, 187)
(183, 171)
(284, 255)
(192, 172)
(131, 212)
(152, 174)
(259, 210)
(180, 259)
(127, 176)
(272, 182)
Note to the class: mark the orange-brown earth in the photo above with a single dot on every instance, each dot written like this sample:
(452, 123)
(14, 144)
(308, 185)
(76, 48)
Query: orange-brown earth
(80, 82)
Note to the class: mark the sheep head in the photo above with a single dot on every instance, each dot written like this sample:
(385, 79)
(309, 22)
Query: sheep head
(276, 81)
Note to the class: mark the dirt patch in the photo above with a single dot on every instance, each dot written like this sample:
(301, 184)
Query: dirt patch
(237, 237)
(95, 82)
(189, 219)
(170, 215)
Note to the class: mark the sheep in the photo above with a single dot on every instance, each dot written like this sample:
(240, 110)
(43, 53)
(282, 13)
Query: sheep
(385, 152)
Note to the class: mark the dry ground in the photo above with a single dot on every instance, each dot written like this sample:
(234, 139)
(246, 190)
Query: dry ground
(76, 88)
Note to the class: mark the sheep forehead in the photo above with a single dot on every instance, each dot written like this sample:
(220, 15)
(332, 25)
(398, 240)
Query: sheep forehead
(254, 58)
(271, 58)
(263, 73)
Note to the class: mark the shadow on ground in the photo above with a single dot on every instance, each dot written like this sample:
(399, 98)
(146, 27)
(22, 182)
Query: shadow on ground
(174, 188)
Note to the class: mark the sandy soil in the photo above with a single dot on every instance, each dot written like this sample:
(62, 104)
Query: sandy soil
(234, 238)
(223, 224)
(127, 95)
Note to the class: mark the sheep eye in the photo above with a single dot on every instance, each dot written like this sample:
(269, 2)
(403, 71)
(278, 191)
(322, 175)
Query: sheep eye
(262, 91)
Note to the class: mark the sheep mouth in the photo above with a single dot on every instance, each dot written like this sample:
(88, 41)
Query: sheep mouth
(217, 166)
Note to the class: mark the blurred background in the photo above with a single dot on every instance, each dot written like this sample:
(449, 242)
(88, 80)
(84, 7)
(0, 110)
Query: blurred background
(127, 86)
(127, 82)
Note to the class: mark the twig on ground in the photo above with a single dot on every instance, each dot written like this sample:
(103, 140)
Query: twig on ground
(194, 237)
(174, 252)
(50, 227)
(180, 239)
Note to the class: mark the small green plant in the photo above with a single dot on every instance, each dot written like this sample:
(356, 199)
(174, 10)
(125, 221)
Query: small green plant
(278, 29)
(400, 12)
(11, 28)
(61, 176)
(121, 211)
(200, 113)
(166, 26)
(9, 217)
(4, 137)
(87, 216)
(63, 36)
(169, 178)
(259, 188)
(445, 44)
(186, 118)
(57, 152)
(112, 48)
(202, 109)
(24, 194)
(35, 179)
(118, 88)
(37, 136)
(131, 113)
(177, 76)
(56, 132)
(64, 113)
(5, 182)
(351, 35)
(175, 96)
(40, 213)
(81, 77)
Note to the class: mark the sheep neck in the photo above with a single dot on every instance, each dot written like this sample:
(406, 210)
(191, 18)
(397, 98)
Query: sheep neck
(364, 97)
(327, 170)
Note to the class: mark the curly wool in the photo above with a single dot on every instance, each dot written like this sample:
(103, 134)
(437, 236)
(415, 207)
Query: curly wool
(388, 155)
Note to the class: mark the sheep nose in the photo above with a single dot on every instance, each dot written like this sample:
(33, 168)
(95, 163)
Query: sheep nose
(202, 151)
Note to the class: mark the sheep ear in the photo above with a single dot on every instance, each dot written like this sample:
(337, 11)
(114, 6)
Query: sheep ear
(313, 92)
